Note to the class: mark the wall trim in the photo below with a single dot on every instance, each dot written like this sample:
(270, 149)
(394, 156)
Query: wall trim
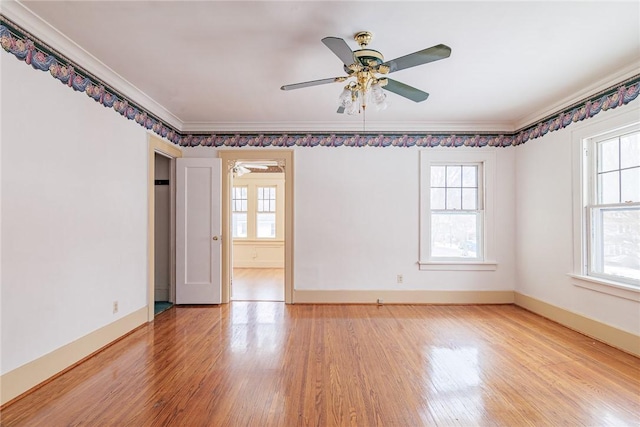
(38, 372)
(610, 335)
(402, 297)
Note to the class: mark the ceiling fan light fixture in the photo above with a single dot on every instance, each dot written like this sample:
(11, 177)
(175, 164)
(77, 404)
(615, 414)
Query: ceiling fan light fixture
(365, 66)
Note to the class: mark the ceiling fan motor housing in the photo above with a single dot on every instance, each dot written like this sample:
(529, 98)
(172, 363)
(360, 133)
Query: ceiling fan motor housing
(366, 58)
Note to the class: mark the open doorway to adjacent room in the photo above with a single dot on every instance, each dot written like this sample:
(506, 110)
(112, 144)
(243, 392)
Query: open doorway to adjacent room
(257, 229)
(257, 205)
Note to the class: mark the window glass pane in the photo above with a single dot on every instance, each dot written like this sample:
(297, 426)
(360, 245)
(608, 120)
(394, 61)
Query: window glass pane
(608, 155)
(266, 225)
(630, 150)
(437, 198)
(609, 187)
(454, 235)
(469, 176)
(239, 199)
(453, 176)
(260, 193)
(239, 224)
(470, 198)
(630, 191)
(617, 245)
(260, 205)
(437, 176)
(454, 198)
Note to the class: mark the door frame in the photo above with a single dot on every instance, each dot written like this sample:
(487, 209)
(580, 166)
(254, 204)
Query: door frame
(229, 157)
(156, 145)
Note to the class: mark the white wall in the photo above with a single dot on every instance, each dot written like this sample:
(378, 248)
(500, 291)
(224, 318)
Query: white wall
(357, 223)
(544, 198)
(74, 214)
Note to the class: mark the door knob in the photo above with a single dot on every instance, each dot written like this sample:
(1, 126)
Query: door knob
(215, 237)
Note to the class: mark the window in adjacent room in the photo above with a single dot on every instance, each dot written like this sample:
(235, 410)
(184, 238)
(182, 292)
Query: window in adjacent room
(266, 213)
(613, 207)
(456, 218)
(239, 211)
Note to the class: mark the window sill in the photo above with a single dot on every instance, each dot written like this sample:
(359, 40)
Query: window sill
(457, 266)
(620, 290)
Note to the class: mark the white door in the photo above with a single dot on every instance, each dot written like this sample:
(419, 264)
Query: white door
(198, 231)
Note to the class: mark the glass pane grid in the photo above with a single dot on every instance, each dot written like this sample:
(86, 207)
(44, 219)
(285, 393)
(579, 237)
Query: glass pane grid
(266, 199)
(239, 199)
(454, 187)
(618, 170)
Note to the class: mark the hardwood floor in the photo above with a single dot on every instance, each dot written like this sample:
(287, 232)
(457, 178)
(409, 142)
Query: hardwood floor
(268, 364)
(258, 284)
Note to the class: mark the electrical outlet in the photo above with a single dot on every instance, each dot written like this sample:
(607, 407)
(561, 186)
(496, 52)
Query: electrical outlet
(380, 301)
(399, 278)
(115, 307)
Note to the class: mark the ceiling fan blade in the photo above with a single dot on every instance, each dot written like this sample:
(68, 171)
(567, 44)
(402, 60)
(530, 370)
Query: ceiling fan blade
(424, 56)
(313, 83)
(406, 91)
(340, 110)
(340, 48)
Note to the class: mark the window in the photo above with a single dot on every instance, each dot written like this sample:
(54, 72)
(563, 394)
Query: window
(456, 211)
(239, 211)
(613, 207)
(266, 212)
(456, 218)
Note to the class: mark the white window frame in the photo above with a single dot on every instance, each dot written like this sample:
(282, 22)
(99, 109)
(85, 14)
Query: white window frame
(486, 157)
(623, 122)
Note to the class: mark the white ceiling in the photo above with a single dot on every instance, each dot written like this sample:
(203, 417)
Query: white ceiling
(218, 66)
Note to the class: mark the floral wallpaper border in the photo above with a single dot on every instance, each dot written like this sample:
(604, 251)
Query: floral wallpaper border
(41, 57)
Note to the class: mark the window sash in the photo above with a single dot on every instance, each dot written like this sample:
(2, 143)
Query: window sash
(239, 199)
(266, 199)
(617, 263)
(239, 224)
(607, 180)
(464, 248)
(456, 245)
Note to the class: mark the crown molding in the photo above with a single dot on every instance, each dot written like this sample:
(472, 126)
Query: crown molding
(603, 84)
(377, 127)
(22, 16)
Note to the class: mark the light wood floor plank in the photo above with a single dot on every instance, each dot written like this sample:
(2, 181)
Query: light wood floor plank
(268, 364)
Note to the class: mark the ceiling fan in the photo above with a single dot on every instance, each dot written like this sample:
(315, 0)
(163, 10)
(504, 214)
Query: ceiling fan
(241, 168)
(366, 66)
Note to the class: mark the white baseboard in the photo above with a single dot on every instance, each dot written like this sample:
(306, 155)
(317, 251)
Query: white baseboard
(607, 334)
(24, 378)
(402, 297)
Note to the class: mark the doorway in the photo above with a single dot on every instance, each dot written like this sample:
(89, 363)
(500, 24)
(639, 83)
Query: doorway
(163, 299)
(161, 156)
(257, 229)
(256, 281)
